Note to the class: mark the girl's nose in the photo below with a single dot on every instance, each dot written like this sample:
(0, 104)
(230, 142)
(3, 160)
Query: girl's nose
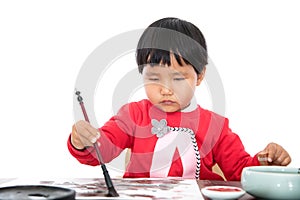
(166, 90)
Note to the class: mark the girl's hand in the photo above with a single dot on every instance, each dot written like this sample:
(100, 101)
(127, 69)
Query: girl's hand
(274, 154)
(83, 135)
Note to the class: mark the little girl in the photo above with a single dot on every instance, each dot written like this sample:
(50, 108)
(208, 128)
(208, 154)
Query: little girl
(168, 133)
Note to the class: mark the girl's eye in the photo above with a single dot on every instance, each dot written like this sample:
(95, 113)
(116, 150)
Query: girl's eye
(153, 79)
(179, 79)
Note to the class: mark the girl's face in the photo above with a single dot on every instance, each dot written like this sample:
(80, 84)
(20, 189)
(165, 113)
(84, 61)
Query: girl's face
(171, 88)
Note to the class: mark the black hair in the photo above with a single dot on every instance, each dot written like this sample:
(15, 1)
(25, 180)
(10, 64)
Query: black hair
(172, 35)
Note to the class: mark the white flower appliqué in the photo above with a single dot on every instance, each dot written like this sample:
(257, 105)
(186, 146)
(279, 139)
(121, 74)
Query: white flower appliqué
(159, 128)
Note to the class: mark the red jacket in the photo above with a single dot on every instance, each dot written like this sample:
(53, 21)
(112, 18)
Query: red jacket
(193, 142)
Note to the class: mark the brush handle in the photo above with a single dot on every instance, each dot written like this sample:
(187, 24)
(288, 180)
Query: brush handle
(98, 154)
(95, 144)
(84, 112)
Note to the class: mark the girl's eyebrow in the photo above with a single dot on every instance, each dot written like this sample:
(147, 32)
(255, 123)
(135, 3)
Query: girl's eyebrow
(173, 74)
(151, 74)
(180, 73)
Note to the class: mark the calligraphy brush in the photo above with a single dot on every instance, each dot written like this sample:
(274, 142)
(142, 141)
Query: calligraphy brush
(111, 190)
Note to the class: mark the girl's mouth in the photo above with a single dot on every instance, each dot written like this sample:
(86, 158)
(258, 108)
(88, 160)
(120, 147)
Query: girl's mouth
(167, 102)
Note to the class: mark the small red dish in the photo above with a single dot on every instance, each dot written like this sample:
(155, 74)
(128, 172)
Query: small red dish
(222, 192)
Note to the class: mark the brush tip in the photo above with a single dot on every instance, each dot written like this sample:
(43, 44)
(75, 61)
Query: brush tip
(112, 192)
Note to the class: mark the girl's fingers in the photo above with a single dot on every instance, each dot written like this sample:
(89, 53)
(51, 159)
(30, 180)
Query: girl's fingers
(86, 133)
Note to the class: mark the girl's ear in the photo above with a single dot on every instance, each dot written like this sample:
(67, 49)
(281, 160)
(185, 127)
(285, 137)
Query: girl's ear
(201, 76)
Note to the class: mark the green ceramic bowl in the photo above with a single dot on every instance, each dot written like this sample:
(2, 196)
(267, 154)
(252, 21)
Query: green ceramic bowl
(271, 182)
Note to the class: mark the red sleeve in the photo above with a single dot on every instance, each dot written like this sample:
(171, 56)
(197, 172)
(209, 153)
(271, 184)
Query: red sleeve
(230, 154)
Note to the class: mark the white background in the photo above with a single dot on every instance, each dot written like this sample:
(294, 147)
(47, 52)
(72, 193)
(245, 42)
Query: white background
(254, 44)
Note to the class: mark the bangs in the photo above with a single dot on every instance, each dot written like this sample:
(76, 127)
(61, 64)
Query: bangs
(161, 57)
(156, 44)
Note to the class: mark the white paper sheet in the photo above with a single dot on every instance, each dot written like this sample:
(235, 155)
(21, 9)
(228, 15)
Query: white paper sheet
(138, 188)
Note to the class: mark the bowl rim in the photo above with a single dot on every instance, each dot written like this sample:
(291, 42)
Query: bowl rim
(274, 170)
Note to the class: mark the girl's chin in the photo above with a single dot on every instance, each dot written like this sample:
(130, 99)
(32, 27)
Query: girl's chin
(169, 108)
